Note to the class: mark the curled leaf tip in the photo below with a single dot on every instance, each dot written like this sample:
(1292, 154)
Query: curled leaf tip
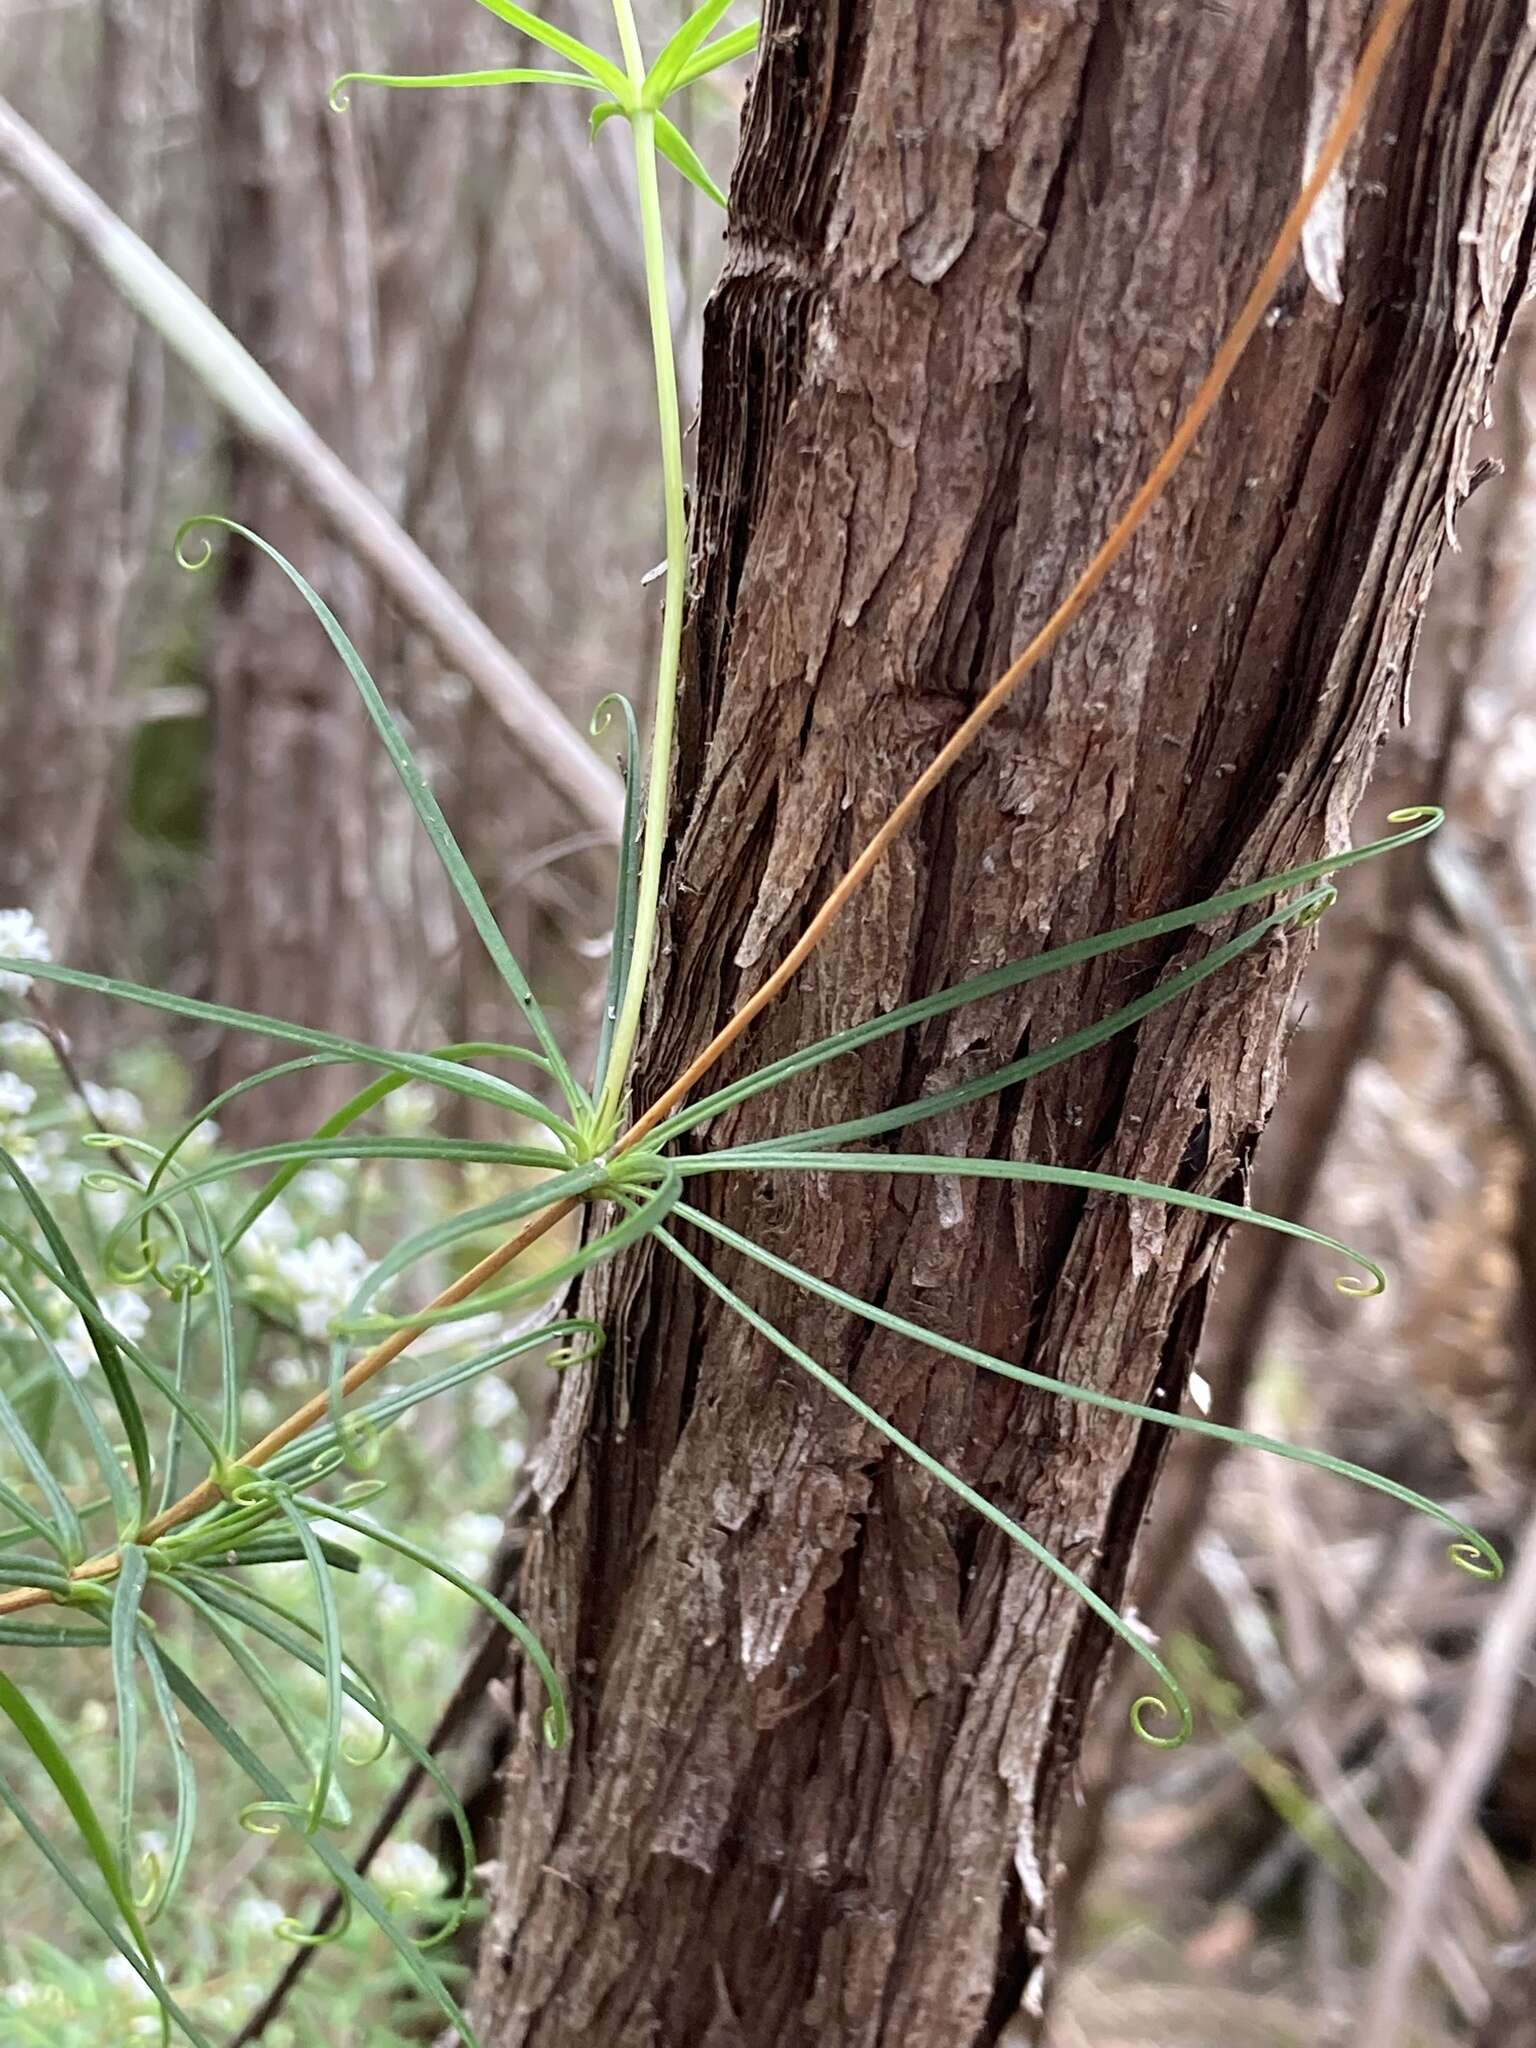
(200, 554)
(1362, 1290)
(338, 99)
(1149, 1706)
(1475, 1555)
(1431, 816)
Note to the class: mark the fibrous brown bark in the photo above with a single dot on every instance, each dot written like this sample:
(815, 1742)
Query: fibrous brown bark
(297, 928)
(58, 742)
(979, 258)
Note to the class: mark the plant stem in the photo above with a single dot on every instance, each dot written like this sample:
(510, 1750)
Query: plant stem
(654, 250)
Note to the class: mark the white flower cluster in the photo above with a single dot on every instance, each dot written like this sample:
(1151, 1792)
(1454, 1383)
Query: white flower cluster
(16, 1096)
(322, 1277)
(21, 938)
(118, 1109)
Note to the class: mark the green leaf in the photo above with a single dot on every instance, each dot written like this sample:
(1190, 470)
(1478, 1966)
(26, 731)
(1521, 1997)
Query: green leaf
(1052, 1055)
(556, 1720)
(388, 1408)
(679, 49)
(681, 154)
(127, 1593)
(943, 1165)
(107, 1461)
(741, 42)
(418, 1066)
(105, 1341)
(290, 1638)
(184, 1825)
(423, 802)
(552, 38)
(651, 1211)
(276, 1794)
(305, 1151)
(343, 1119)
(45, 1747)
(1471, 1551)
(138, 1960)
(330, 1637)
(1425, 819)
(1131, 1637)
(340, 98)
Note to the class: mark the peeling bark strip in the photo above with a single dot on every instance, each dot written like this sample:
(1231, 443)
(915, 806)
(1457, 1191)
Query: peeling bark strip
(979, 258)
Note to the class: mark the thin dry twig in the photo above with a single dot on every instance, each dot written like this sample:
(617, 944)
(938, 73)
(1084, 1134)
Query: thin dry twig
(238, 383)
(1474, 1750)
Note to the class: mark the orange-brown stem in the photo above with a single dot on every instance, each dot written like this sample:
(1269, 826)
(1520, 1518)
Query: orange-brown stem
(1373, 57)
(314, 1410)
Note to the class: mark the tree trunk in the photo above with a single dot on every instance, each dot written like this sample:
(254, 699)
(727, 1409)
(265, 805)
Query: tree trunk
(979, 260)
(296, 927)
(58, 742)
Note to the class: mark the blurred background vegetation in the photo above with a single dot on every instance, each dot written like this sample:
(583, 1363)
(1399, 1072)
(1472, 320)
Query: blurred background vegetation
(446, 285)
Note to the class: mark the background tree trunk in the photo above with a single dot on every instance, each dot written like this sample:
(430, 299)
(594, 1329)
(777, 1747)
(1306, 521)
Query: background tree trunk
(979, 260)
(58, 743)
(298, 924)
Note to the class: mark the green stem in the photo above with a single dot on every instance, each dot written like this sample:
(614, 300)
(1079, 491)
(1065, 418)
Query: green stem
(653, 244)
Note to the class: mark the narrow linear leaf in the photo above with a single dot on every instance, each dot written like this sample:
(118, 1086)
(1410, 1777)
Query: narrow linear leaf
(184, 1822)
(1055, 1054)
(681, 154)
(741, 42)
(423, 802)
(1473, 1552)
(427, 1980)
(962, 1168)
(138, 1960)
(1131, 1637)
(556, 1719)
(645, 1216)
(127, 1593)
(104, 1340)
(340, 98)
(419, 1066)
(680, 48)
(1420, 820)
(540, 31)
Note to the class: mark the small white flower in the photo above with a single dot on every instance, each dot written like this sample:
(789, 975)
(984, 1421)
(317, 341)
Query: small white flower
(513, 1454)
(258, 1915)
(23, 1992)
(493, 1403)
(410, 1108)
(389, 1596)
(473, 1539)
(322, 1189)
(274, 1231)
(406, 1870)
(23, 1040)
(16, 1097)
(122, 1976)
(289, 1373)
(118, 1108)
(322, 1277)
(21, 938)
(127, 1313)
